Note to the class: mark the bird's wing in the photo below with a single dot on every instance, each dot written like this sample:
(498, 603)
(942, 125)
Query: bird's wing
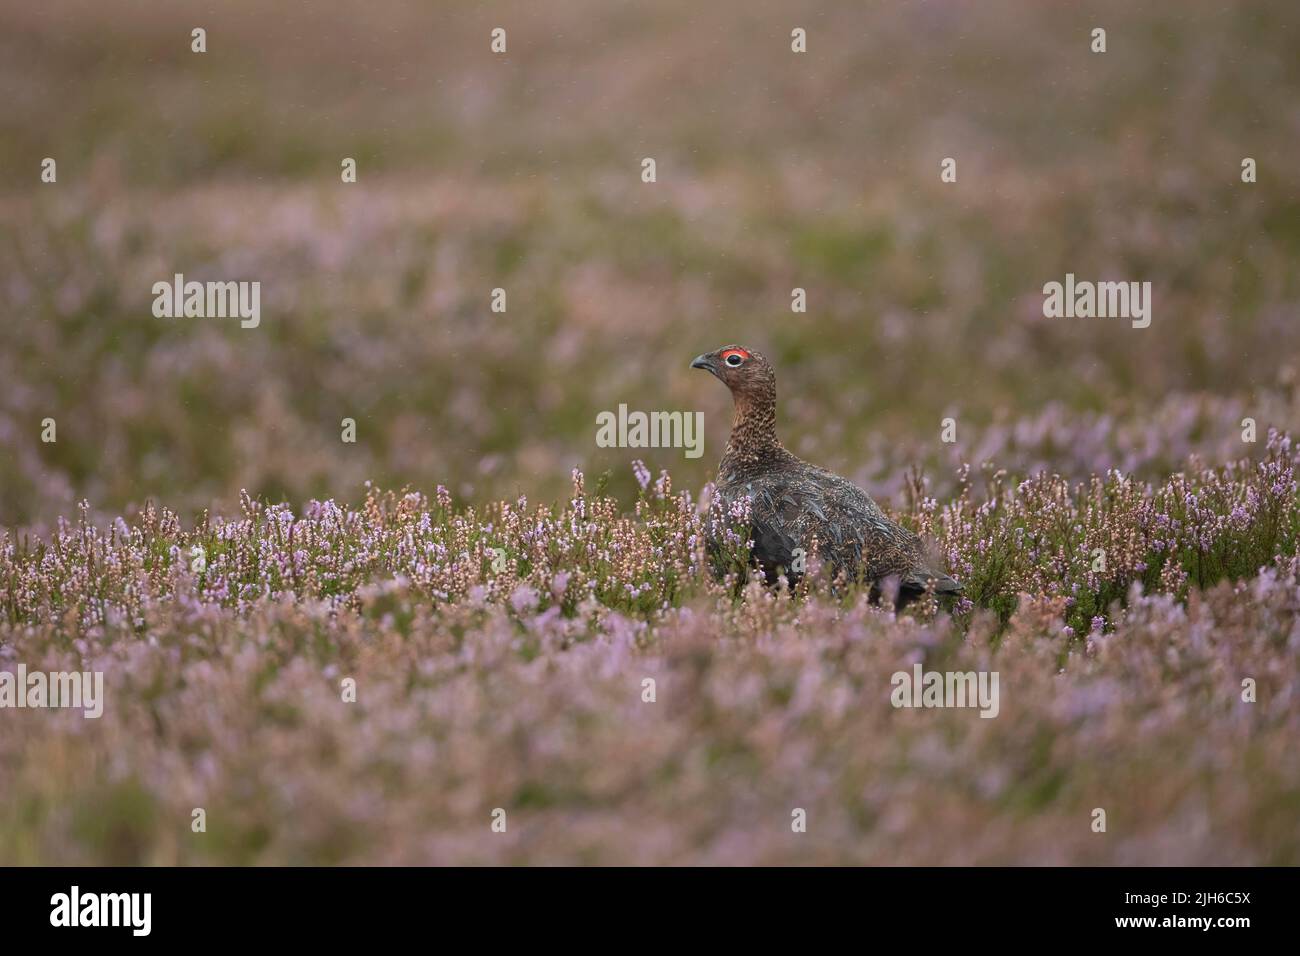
(797, 507)
(860, 536)
(775, 508)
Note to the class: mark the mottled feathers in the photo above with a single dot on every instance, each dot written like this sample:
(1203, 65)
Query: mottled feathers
(797, 505)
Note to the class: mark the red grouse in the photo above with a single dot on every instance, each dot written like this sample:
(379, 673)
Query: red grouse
(794, 504)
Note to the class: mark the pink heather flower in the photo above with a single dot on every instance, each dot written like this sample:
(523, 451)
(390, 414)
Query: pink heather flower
(523, 599)
(642, 473)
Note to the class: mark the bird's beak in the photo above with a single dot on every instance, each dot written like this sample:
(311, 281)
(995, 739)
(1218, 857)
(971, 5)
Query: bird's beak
(705, 362)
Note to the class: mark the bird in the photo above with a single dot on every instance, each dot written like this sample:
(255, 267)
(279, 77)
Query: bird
(793, 504)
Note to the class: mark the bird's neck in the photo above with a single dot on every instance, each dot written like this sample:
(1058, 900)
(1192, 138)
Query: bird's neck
(753, 444)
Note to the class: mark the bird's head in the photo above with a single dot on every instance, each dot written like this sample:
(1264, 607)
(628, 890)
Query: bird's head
(746, 372)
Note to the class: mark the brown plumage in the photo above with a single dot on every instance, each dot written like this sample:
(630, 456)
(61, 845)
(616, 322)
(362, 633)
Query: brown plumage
(794, 504)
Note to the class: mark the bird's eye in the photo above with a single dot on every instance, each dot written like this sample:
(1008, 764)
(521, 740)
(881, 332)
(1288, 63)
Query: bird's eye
(734, 359)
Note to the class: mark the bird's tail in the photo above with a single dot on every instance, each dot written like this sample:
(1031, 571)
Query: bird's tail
(920, 580)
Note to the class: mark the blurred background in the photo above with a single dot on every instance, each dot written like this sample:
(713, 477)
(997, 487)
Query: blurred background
(522, 171)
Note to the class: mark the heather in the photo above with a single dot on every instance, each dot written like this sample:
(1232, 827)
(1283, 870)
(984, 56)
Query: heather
(1120, 504)
(521, 173)
(525, 692)
(1087, 544)
(518, 683)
